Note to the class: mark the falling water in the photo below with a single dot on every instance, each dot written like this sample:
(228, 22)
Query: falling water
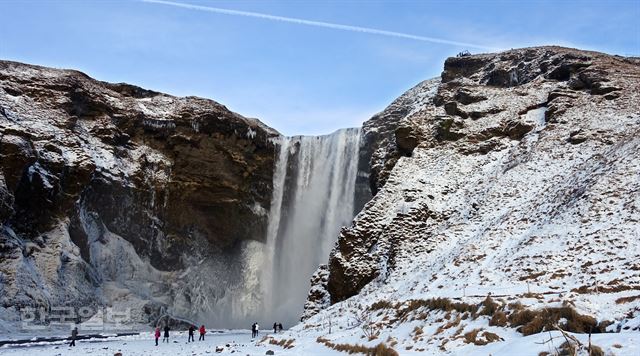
(313, 196)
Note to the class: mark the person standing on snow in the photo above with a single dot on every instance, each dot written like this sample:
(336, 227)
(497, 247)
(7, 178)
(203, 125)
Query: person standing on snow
(275, 328)
(157, 335)
(257, 329)
(192, 330)
(280, 327)
(253, 330)
(166, 333)
(74, 335)
(202, 332)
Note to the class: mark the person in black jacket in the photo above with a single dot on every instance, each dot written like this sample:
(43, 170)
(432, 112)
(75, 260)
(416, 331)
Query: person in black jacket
(192, 330)
(166, 333)
(74, 335)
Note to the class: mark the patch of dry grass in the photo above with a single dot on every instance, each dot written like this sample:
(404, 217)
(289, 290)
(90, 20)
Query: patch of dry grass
(443, 304)
(499, 318)
(489, 306)
(604, 289)
(627, 299)
(453, 323)
(535, 321)
(379, 350)
(470, 337)
(285, 343)
(596, 351)
(479, 339)
(382, 304)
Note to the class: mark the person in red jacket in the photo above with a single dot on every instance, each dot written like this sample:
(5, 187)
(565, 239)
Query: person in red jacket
(157, 335)
(202, 332)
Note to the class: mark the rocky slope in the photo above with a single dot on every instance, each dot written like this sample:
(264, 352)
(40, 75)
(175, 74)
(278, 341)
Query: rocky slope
(114, 195)
(514, 175)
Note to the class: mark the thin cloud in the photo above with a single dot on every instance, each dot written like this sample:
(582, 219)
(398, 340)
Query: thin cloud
(330, 25)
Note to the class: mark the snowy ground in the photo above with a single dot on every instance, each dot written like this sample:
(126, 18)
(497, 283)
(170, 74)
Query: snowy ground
(232, 342)
(239, 342)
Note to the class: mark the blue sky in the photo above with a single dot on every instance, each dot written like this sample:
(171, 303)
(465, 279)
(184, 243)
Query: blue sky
(297, 78)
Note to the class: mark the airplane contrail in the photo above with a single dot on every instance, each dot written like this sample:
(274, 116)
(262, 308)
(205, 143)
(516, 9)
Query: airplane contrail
(334, 26)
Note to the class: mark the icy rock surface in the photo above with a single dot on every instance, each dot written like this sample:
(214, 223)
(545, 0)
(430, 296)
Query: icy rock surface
(113, 195)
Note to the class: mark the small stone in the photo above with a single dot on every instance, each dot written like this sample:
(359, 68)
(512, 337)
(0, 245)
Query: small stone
(576, 137)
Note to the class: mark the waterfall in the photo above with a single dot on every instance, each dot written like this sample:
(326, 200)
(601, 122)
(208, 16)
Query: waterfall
(313, 197)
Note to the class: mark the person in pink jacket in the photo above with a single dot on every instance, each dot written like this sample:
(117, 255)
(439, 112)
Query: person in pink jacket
(157, 335)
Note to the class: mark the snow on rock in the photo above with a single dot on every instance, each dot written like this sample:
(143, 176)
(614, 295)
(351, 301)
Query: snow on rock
(523, 185)
(110, 192)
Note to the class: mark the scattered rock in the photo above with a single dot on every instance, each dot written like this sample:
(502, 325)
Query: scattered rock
(446, 130)
(612, 96)
(451, 108)
(465, 96)
(578, 136)
(406, 140)
(502, 78)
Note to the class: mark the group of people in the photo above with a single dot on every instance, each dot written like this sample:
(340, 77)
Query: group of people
(255, 330)
(166, 334)
(277, 327)
(192, 330)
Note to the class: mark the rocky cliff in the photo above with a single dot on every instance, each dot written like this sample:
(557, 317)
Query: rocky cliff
(110, 192)
(513, 175)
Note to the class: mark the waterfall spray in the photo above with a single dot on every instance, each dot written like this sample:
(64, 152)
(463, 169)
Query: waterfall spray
(313, 197)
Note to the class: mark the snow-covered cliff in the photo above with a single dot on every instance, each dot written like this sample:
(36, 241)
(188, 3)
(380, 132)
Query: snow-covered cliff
(516, 176)
(120, 197)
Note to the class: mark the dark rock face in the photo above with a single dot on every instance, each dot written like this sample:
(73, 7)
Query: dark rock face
(385, 139)
(483, 107)
(172, 177)
(516, 67)
(470, 90)
(406, 140)
(465, 96)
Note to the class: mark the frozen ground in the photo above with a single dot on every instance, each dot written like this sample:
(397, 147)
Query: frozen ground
(239, 342)
(231, 342)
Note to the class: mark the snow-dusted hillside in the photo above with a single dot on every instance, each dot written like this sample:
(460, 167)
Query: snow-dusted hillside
(524, 185)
